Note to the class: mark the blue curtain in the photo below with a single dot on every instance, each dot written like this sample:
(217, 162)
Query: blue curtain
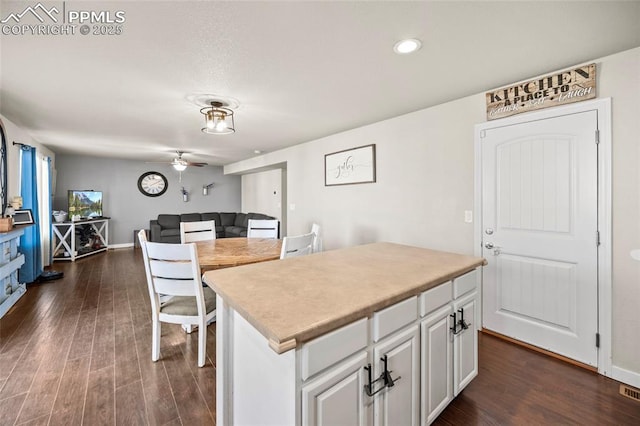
(30, 241)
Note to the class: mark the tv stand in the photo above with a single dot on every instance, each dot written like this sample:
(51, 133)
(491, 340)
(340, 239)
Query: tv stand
(75, 239)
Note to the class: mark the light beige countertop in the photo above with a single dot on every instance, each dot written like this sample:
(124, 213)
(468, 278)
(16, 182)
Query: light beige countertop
(294, 300)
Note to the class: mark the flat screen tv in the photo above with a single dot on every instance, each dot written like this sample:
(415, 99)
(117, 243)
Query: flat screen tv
(85, 203)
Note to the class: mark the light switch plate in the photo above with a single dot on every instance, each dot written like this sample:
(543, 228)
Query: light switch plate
(468, 216)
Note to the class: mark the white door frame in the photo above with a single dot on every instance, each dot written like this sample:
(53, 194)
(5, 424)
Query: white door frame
(603, 106)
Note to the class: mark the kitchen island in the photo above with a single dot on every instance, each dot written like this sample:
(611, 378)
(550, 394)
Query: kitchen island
(375, 334)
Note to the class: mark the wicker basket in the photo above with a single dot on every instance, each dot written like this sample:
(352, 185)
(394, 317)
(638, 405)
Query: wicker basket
(6, 224)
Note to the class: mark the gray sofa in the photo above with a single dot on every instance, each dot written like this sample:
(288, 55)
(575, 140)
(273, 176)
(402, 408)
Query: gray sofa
(166, 228)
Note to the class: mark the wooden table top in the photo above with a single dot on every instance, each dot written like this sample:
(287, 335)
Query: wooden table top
(227, 252)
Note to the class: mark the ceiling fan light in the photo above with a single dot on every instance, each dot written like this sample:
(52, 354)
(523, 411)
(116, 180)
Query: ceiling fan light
(180, 167)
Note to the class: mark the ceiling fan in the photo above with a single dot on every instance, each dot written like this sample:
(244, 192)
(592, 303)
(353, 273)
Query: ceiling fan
(180, 164)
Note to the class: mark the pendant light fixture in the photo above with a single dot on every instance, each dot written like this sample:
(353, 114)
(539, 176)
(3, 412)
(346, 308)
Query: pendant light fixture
(218, 119)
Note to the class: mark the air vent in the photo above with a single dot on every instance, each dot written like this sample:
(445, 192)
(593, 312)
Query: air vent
(630, 392)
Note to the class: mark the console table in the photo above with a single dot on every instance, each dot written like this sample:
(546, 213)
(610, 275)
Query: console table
(66, 233)
(10, 261)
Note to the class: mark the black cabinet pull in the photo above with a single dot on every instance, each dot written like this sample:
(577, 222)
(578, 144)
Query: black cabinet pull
(368, 388)
(385, 377)
(455, 324)
(388, 380)
(465, 325)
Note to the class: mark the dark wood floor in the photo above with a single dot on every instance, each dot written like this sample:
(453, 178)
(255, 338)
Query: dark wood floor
(78, 351)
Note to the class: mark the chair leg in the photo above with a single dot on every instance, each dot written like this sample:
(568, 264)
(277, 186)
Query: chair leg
(155, 339)
(202, 343)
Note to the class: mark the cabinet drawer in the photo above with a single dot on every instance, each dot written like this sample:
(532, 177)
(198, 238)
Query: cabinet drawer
(464, 283)
(394, 317)
(326, 350)
(433, 298)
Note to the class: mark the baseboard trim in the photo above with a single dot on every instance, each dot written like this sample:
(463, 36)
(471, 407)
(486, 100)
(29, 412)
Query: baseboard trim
(628, 377)
(540, 350)
(120, 246)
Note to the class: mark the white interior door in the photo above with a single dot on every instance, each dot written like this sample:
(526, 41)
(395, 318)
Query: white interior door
(539, 233)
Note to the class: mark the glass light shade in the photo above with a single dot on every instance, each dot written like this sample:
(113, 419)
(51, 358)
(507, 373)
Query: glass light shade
(218, 120)
(180, 167)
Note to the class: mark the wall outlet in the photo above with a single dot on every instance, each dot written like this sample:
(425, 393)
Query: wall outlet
(468, 216)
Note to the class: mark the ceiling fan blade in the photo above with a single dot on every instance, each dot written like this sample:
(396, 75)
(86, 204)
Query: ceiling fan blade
(179, 160)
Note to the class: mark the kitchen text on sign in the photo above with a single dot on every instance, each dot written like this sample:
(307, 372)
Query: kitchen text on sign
(563, 87)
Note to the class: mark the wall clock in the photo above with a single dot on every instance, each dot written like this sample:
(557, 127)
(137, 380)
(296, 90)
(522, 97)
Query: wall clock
(152, 184)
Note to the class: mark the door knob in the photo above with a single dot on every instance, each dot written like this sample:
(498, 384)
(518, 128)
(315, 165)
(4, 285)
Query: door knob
(491, 246)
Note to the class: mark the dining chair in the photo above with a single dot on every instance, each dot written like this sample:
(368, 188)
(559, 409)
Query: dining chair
(173, 269)
(317, 239)
(298, 245)
(262, 228)
(191, 232)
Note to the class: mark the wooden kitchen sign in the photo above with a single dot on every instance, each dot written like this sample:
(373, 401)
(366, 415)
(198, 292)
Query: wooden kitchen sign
(559, 88)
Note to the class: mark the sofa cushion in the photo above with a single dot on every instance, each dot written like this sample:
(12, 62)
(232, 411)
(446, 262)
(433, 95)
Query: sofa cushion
(211, 216)
(190, 217)
(241, 220)
(227, 219)
(258, 216)
(169, 220)
(170, 232)
(234, 231)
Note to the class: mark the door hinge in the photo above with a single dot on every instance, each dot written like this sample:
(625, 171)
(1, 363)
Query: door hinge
(597, 136)
(597, 238)
(597, 340)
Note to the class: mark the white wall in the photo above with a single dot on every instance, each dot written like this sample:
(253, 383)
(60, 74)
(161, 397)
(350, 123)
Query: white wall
(262, 193)
(619, 78)
(425, 182)
(13, 133)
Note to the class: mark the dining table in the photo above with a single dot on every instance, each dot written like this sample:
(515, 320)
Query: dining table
(227, 252)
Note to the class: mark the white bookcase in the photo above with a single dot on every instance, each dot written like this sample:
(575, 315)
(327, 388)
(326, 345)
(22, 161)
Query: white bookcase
(10, 261)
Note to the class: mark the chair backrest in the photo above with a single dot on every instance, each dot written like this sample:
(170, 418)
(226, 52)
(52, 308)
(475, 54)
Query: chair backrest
(298, 245)
(262, 228)
(317, 239)
(173, 270)
(197, 231)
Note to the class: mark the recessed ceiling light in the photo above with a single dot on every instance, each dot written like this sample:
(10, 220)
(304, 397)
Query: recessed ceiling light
(257, 151)
(409, 45)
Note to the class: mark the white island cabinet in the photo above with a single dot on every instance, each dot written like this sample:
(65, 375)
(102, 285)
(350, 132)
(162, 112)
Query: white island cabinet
(358, 336)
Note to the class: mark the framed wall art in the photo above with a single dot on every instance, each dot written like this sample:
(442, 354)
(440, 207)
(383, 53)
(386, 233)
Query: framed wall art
(355, 165)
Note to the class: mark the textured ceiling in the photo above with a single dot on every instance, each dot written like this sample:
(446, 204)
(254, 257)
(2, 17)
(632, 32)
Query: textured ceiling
(300, 70)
